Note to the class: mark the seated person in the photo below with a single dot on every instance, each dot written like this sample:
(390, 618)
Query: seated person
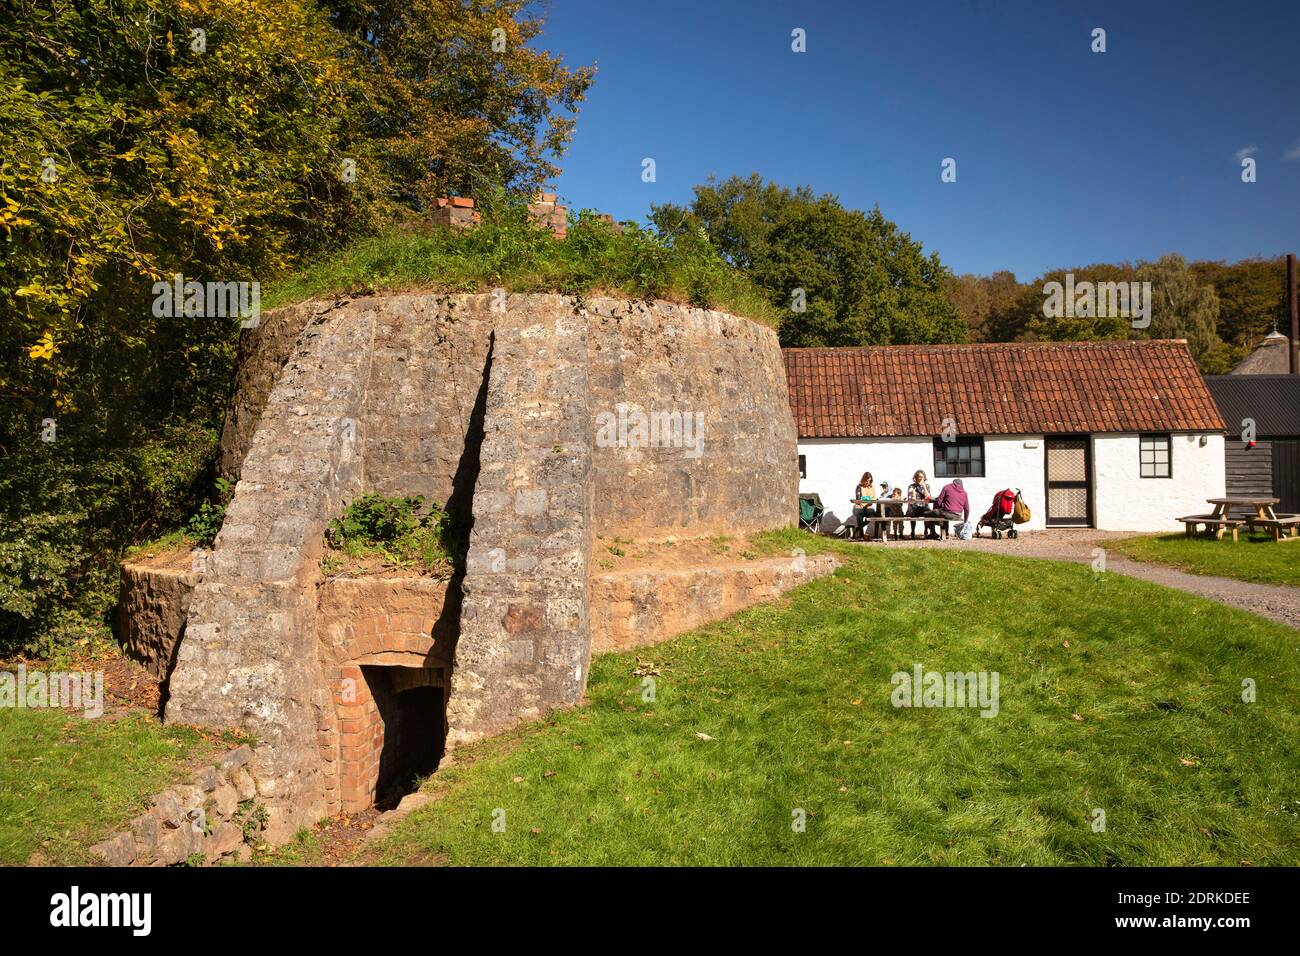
(863, 495)
(918, 496)
(896, 528)
(886, 494)
(951, 504)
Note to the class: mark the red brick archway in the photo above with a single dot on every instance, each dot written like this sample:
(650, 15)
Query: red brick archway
(383, 647)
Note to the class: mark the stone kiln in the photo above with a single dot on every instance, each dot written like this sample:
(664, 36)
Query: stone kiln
(490, 404)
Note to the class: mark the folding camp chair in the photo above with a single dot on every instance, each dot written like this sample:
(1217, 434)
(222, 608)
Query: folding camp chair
(810, 512)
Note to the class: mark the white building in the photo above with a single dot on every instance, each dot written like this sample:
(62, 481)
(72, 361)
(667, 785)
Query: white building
(1116, 435)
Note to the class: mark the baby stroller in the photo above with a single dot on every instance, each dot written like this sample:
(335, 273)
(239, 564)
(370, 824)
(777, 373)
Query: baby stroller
(1001, 515)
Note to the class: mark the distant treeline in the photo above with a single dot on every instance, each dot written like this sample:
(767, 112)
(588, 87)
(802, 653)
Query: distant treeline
(1222, 309)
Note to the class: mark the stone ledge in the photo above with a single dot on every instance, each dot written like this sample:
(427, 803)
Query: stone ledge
(639, 607)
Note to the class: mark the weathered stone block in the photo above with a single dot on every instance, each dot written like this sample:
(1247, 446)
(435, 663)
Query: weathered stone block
(117, 850)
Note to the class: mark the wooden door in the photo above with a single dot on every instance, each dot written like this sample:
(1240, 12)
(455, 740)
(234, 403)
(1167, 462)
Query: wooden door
(1286, 476)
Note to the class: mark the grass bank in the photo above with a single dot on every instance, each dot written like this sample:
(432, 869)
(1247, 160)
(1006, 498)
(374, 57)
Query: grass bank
(1255, 557)
(67, 781)
(1115, 695)
(507, 251)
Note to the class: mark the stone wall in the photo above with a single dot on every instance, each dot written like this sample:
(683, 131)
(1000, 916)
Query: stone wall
(637, 608)
(726, 374)
(495, 406)
(264, 351)
(249, 657)
(524, 644)
(152, 605)
(214, 817)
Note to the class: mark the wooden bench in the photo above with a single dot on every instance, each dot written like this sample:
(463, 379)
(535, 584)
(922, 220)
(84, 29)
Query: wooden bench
(895, 519)
(1190, 523)
(1282, 527)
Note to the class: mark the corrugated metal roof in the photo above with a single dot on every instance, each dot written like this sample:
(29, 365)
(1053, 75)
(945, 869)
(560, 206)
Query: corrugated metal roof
(1005, 388)
(1273, 401)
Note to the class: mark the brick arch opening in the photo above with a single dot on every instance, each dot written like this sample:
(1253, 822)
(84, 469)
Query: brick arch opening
(386, 649)
(411, 728)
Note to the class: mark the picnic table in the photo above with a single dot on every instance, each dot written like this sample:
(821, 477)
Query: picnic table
(891, 513)
(1230, 514)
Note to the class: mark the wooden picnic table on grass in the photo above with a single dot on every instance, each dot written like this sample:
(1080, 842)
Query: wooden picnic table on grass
(891, 513)
(1230, 514)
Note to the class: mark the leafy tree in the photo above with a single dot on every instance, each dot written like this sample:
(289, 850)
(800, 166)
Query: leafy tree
(1028, 319)
(863, 280)
(457, 98)
(978, 299)
(1184, 307)
(215, 139)
(1252, 300)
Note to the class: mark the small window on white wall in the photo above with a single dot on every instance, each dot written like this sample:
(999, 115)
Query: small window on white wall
(803, 466)
(1154, 454)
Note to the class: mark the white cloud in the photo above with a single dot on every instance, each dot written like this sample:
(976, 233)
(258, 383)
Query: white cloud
(1245, 151)
(1292, 153)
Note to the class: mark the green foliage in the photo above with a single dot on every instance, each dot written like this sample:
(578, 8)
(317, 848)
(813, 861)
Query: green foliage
(978, 299)
(865, 281)
(134, 152)
(69, 508)
(1252, 301)
(509, 251)
(251, 818)
(206, 522)
(379, 519)
(1035, 326)
(1223, 310)
(397, 529)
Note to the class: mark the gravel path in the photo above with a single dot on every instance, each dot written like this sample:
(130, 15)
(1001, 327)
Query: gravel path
(1274, 601)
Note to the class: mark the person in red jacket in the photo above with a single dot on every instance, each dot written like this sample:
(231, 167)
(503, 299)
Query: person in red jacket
(951, 504)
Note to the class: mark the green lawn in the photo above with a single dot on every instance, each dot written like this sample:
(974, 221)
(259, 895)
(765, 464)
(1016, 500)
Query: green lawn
(66, 781)
(1253, 558)
(1115, 694)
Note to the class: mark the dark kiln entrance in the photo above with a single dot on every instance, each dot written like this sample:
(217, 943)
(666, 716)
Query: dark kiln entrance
(410, 709)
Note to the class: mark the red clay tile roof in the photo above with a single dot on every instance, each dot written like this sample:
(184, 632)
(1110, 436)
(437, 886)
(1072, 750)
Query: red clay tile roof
(1003, 388)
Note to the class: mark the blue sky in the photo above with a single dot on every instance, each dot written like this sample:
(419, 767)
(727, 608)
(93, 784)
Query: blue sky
(1064, 156)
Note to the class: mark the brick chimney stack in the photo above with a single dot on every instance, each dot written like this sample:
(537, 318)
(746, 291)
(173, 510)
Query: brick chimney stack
(455, 211)
(545, 212)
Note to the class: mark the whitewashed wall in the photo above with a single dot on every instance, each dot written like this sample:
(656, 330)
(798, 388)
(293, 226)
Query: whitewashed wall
(1122, 499)
(835, 465)
(1125, 501)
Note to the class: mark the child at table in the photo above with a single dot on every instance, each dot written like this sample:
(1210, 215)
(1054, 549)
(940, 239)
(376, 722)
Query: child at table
(896, 529)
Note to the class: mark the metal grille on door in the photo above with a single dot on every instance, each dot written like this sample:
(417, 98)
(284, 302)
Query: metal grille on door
(1067, 481)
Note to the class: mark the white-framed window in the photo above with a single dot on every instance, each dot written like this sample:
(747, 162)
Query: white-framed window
(803, 466)
(1154, 456)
